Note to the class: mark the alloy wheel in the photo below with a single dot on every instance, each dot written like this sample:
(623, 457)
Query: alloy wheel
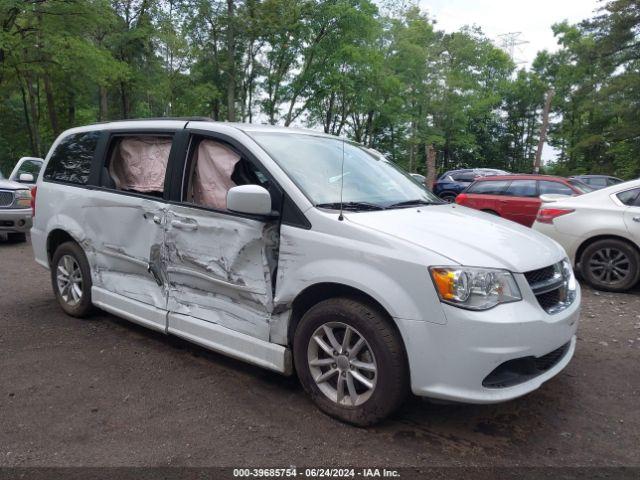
(342, 364)
(609, 265)
(69, 280)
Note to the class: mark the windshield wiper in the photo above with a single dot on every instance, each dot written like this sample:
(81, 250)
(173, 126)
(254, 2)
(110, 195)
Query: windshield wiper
(410, 203)
(351, 206)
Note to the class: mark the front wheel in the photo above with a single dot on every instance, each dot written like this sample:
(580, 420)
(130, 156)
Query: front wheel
(611, 265)
(448, 197)
(351, 361)
(71, 279)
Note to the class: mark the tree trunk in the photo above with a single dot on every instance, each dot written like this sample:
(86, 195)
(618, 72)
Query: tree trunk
(231, 52)
(543, 130)
(430, 152)
(51, 105)
(124, 98)
(26, 118)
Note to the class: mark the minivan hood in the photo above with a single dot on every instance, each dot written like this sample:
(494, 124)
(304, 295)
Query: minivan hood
(466, 236)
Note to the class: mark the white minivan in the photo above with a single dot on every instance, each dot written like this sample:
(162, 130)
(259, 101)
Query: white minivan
(299, 251)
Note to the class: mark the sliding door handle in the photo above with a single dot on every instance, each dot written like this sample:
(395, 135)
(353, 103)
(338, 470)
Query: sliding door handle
(636, 219)
(182, 225)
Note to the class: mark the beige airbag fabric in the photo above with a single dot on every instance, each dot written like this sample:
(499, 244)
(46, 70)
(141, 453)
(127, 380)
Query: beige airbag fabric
(212, 174)
(140, 164)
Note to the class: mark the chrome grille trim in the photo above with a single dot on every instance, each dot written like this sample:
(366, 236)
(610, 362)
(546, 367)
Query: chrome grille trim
(6, 198)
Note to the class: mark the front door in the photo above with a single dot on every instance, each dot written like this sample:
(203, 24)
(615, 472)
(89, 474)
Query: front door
(220, 265)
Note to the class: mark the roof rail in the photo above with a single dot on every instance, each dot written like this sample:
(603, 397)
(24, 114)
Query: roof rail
(183, 119)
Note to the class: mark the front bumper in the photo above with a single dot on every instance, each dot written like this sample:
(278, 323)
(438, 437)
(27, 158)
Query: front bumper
(15, 220)
(450, 361)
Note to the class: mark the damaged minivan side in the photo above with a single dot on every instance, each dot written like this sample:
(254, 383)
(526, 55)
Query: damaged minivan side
(302, 252)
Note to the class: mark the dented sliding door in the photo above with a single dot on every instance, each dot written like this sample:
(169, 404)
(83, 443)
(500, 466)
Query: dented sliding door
(125, 245)
(220, 268)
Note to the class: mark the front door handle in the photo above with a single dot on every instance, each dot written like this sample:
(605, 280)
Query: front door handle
(157, 220)
(193, 225)
(636, 219)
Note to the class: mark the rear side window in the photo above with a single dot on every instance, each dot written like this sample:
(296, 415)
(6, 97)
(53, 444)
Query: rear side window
(522, 188)
(138, 164)
(464, 177)
(71, 160)
(490, 187)
(630, 197)
(547, 187)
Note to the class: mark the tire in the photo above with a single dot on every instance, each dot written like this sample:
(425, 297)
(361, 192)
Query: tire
(69, 257)
(382, 349)
(611, 265)
(17, 237)
(448, 197)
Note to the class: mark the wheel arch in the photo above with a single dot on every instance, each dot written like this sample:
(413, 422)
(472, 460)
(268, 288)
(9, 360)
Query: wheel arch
(580, 250)
(55, 238)
(316, 293)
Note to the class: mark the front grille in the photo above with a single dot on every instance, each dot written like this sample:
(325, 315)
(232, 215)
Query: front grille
(550, 286)
(519, 370)
(6, 198)
(536, 276)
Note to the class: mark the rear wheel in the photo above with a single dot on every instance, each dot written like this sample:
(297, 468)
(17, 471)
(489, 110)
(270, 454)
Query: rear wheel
(351, 361)
(71, 279)
(611, 265)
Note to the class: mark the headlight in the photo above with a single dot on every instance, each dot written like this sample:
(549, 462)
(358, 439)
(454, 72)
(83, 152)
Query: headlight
(475, 288)
(570, 284)
(23, 198)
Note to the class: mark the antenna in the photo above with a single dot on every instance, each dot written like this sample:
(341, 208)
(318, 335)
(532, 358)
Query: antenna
(341, 216)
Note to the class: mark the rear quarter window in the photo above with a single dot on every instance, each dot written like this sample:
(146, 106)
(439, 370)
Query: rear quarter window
(489, 187)
(630, 197)
(71, 160)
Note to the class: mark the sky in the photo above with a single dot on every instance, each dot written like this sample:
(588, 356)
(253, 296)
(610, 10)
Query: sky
(533, 18)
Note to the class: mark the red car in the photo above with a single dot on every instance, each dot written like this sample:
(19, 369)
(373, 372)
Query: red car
(517, 197)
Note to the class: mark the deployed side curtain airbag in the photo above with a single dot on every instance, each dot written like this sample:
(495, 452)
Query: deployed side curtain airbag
(140, 164)
(212, 174)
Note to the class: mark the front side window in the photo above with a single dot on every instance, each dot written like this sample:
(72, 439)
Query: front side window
(581, 187)
(71, 160)
(522, 188)
(548, 187)
(489, 187)
(331, 171)
(598, 181)
(613, 181)
(214, 169)
(630, 197)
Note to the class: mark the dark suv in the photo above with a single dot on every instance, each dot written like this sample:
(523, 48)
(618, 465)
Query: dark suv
(453, 182)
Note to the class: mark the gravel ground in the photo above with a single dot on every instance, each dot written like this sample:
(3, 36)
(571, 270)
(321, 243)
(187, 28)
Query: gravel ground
(105, 392)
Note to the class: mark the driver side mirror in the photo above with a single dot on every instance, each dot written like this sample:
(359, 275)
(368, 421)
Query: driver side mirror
(26, 178)
(249, 199)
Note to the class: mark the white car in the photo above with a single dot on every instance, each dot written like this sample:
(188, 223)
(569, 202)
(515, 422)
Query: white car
(15, 210)
(600, 232)
(290, 248)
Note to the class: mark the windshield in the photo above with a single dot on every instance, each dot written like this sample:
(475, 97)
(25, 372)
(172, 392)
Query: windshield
(314, 163)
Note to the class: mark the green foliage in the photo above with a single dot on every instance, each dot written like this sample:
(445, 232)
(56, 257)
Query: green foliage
(386, 77)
